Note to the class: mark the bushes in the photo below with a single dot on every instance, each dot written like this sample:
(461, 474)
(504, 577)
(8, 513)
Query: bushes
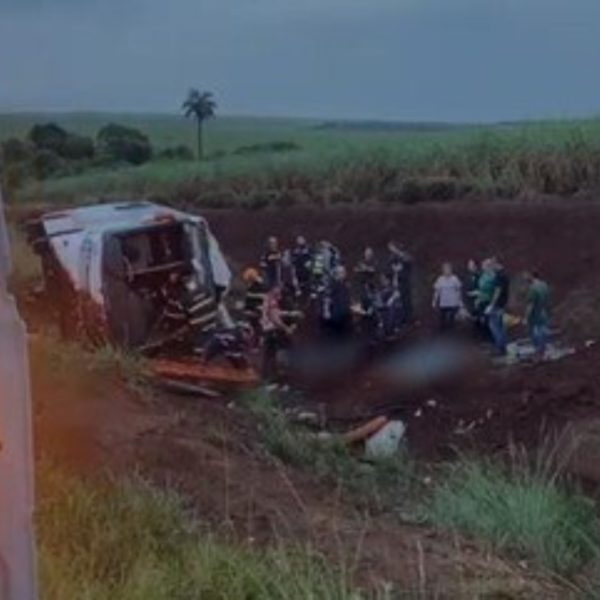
(523, 510)
(15, 150)
(276, 146)
(119, 143)
(46, 163)
(52, 138)
(180, 152)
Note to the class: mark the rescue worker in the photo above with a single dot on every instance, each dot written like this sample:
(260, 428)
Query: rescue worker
(326, 258)
(254, 299)
(400, 267)
(277, 334)
(366, 269)
(390, 308)
(447, 297)
(336, 307)
(233, 343)
(290, 289)
(202, 314)
(537, 314)
(370, 312)
(170, 300)
(270, 263)
(302, 258)
(496, 310)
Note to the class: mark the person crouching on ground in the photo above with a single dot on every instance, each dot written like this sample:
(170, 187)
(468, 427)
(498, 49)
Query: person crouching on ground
(277, 334)
(537, 313)
(447, 297)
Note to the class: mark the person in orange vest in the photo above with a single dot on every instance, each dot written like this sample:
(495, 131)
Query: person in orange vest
(270, 263)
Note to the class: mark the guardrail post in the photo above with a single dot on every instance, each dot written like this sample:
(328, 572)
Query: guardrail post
(17, 554)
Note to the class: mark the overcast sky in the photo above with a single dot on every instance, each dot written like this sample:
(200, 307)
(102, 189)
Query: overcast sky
(458, 60)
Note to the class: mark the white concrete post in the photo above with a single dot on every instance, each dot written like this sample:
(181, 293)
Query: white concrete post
(17, 554)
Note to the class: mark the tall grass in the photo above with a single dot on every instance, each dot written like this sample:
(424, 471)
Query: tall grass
(69, 361)
(522, 510)
(26, 266)
(560, 157)
(129, 541)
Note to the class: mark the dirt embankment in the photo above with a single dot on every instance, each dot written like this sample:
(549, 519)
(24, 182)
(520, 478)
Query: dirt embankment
(212, 452)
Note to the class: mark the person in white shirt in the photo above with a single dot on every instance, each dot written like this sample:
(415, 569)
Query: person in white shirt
(447, 297)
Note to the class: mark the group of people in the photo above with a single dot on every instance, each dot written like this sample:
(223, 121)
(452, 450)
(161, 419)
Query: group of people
(312, 283)
(484, 299)
(374, 299)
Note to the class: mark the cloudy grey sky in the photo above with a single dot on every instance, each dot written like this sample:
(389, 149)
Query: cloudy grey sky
(399, 59)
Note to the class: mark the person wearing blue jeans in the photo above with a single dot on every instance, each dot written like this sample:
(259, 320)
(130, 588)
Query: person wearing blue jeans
(497, 307)
(537, 313)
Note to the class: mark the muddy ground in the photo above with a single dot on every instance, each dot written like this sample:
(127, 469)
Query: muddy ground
(211, 451)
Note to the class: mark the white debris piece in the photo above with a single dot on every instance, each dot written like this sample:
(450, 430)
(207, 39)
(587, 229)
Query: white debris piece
(386, 441)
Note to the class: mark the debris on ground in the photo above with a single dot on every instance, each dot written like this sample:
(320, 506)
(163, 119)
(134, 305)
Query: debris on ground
(190, 370)
(523, 350)
(364, 431)
(385, 442)
(184, 388)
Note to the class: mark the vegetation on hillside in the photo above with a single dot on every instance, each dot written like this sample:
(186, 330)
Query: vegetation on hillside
(250, 164)
(127, 540)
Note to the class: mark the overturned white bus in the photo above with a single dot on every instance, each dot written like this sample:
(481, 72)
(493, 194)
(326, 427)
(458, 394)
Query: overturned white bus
(102, 262)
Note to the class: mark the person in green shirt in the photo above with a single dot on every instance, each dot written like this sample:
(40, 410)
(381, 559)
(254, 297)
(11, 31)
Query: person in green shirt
(537, 314)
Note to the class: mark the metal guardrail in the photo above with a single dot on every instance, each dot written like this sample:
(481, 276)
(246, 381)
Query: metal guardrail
(17, 555)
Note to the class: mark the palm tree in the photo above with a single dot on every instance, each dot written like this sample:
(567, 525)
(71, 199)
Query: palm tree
(201, 106)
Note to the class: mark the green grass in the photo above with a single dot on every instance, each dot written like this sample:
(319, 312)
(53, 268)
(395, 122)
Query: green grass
(522, 511)
(337, 165)
(69, 361)
(125, 540)
(383, 485)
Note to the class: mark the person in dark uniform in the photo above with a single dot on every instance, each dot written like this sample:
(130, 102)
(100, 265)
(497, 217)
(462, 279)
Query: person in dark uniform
(170, 301)
(400, 267)
(390, 306)
(471, 287)
(270, 263)
(336, 311)
(202, 314)
(302, 258)
(366, 269)
(370, 312)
